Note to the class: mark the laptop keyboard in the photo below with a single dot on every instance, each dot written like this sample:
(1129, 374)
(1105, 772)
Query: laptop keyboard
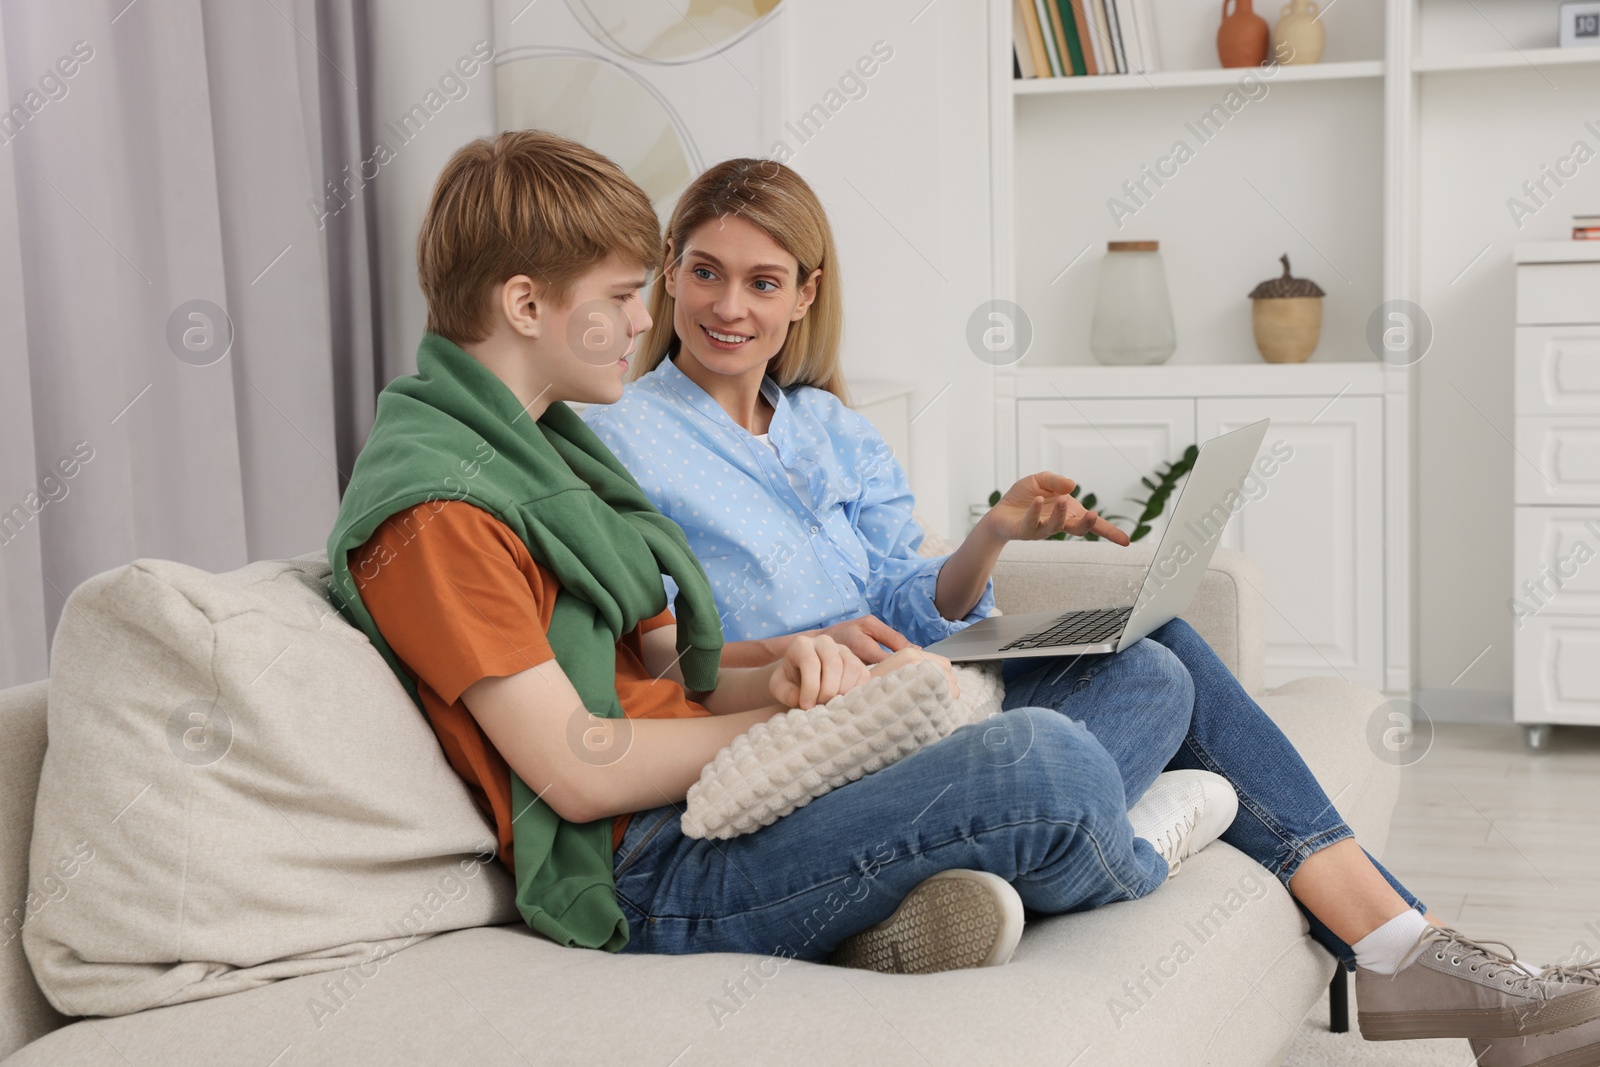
(1076, 628)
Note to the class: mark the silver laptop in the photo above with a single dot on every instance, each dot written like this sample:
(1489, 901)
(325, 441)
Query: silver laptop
(1205, 502)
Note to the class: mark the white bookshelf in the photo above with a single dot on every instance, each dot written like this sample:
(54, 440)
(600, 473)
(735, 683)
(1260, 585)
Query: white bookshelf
(1185, 79)
(1508, 59)
(1328, 165)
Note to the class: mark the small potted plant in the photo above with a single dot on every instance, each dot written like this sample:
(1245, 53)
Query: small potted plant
(1287, 315)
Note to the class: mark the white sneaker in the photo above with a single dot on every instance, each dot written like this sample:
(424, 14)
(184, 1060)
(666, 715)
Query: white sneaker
(954, 919)
(1183, 812)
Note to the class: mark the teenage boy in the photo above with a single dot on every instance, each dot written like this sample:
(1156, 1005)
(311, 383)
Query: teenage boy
(506, 566)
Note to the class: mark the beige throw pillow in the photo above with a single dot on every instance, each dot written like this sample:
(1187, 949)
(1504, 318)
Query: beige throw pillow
(260, 797)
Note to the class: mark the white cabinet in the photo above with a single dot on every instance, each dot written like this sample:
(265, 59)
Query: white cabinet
(1558, 459)
(1557, 664)
(1555, 595)
(1325, 527)
(1316, 529)
(1558, 370)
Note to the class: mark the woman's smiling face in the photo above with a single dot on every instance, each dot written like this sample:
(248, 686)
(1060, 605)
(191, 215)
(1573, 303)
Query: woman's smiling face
(735, 292)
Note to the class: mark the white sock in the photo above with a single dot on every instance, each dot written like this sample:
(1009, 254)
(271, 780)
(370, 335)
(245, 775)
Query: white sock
(1392, 945)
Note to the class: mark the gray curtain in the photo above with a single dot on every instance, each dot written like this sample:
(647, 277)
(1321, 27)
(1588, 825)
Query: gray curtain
(160, 160)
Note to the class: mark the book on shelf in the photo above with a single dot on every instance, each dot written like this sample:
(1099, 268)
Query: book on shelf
(1092, 15)
(1069, 36)
(1136, 28)
(1042, 9)
(1085, 42)
(1114, 11)
(1028, 21)
(1108, 37)
(1021, 46)
(1066, 38)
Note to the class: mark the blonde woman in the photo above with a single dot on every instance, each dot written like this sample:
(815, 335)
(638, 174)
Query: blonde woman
(736, 426)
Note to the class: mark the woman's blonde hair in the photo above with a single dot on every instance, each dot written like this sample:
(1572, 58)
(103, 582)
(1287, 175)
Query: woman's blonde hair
(780, 203)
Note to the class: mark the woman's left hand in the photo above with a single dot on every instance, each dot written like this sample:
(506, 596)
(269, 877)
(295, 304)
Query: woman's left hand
(1041, 505)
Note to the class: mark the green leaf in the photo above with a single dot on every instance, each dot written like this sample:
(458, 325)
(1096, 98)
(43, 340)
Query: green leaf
(1091, 537)
(1074, 493)
(1089, 501)
(1060, 535)
(1138, 532)
(994, 498)
(1148, 484)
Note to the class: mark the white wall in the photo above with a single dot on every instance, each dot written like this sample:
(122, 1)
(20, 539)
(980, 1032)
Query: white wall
(1483, 135)
(903, 174)
(902, 171)
(414, 43)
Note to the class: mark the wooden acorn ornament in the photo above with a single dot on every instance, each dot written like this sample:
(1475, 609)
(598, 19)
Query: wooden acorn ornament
(1287, 315)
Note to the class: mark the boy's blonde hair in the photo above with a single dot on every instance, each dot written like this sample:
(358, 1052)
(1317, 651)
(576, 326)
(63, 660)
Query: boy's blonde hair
(524, 202)
(779, 202)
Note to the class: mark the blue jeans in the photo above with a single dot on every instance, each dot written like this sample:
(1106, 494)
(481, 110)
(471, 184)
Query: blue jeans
(1284, 814)
(1037, 794)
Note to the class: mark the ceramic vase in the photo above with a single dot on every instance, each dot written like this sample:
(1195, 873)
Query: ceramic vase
(1242, 37)
(1299, 35)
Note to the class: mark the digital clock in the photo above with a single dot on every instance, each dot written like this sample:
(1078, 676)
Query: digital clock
(1580, 23)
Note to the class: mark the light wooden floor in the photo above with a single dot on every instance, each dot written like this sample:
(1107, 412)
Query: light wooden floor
(1504, 842)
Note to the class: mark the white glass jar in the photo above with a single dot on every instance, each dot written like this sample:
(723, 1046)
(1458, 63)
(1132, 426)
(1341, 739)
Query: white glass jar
(1132, 311)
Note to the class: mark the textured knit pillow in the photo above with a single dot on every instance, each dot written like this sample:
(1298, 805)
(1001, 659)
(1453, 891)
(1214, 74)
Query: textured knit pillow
(783, 764)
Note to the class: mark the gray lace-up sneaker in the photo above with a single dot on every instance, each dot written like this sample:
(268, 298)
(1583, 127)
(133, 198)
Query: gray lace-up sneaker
(1576, 1046)
(1458, 987)
(957, 918)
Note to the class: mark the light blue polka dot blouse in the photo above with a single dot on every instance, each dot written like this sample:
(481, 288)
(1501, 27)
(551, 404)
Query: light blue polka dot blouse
(810, 531)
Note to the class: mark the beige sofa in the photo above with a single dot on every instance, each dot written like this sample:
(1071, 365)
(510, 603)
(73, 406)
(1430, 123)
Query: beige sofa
(1215, 967)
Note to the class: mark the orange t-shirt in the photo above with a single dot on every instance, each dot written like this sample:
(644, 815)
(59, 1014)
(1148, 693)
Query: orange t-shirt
(458, 598)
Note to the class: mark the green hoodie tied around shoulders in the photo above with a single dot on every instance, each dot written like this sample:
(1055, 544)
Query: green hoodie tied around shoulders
(454, 431)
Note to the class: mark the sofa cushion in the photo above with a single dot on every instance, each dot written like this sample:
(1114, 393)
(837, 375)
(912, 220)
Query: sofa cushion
(259, 796)
(24, 1012)
(1212, 968)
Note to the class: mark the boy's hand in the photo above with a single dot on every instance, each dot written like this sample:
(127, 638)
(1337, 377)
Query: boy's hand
(815, 669)
(917, 655)
(1039, 506)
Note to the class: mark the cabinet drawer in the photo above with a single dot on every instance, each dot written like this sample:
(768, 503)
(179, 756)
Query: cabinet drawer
(1554, 293)
(1556, 562)
(1558, 370)
(1557, 671)
(1558, 461)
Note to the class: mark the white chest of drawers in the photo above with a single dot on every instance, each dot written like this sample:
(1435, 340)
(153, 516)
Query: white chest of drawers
(1555, 596)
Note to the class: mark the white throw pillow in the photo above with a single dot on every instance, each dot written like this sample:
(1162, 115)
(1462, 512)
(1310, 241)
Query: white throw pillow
(259, 797)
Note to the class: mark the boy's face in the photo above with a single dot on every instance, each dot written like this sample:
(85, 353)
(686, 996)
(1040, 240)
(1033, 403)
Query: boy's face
(584, 347)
